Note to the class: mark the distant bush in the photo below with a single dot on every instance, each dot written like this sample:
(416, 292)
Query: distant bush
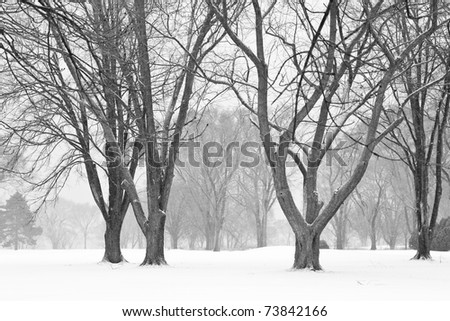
(323, 245)
(441, 239)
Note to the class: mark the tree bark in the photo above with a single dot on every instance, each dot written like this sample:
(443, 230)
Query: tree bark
(424, 244)
(259, 233)
(154, 235)
(341, 230)
(307, 251)
(113, 253)
(373, 233)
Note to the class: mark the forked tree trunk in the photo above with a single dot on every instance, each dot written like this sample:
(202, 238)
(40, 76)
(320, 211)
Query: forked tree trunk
(113, 252)
(307, 251)
(424, 244)
(154, 235)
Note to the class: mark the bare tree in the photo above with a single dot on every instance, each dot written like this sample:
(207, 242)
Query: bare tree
(426, 85)
(160, 162)
(131, 235)
(238, 228)
(55, 222)
(179, 211)
(354, 44)
(333, 176)
(255, 190)
(370, 198)
(85, 220)
(94, 74)
(211, 174)
(62, 114)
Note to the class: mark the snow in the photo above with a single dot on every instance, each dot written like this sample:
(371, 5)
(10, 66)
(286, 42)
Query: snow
(247, 275)
(253, 276)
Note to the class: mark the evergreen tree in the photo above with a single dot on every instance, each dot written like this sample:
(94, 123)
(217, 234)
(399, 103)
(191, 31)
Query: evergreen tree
(17, 224)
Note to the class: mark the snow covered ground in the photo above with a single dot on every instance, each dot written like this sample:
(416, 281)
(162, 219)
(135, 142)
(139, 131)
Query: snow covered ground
(253, 276)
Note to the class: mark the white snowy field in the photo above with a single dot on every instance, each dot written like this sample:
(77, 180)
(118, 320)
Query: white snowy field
(260, 275)
(355, 285)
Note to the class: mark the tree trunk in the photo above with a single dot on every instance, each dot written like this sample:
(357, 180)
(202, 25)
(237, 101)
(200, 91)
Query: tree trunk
(392, 242)
(209, 233)
(209, 240)
(216, 239)
(424, 244)
(208, 243)
(85, 240)
(340, 232)
(339, 241)
(54, 244)
(373, 233)
(174, 242)
(154, 235)
(392, 245)
(261, 239)
(264, 238)
(192, 243)
(261, 231)
(373, 241)
(307, 251)
(264, 229)
(340, 227)
(113, 252)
